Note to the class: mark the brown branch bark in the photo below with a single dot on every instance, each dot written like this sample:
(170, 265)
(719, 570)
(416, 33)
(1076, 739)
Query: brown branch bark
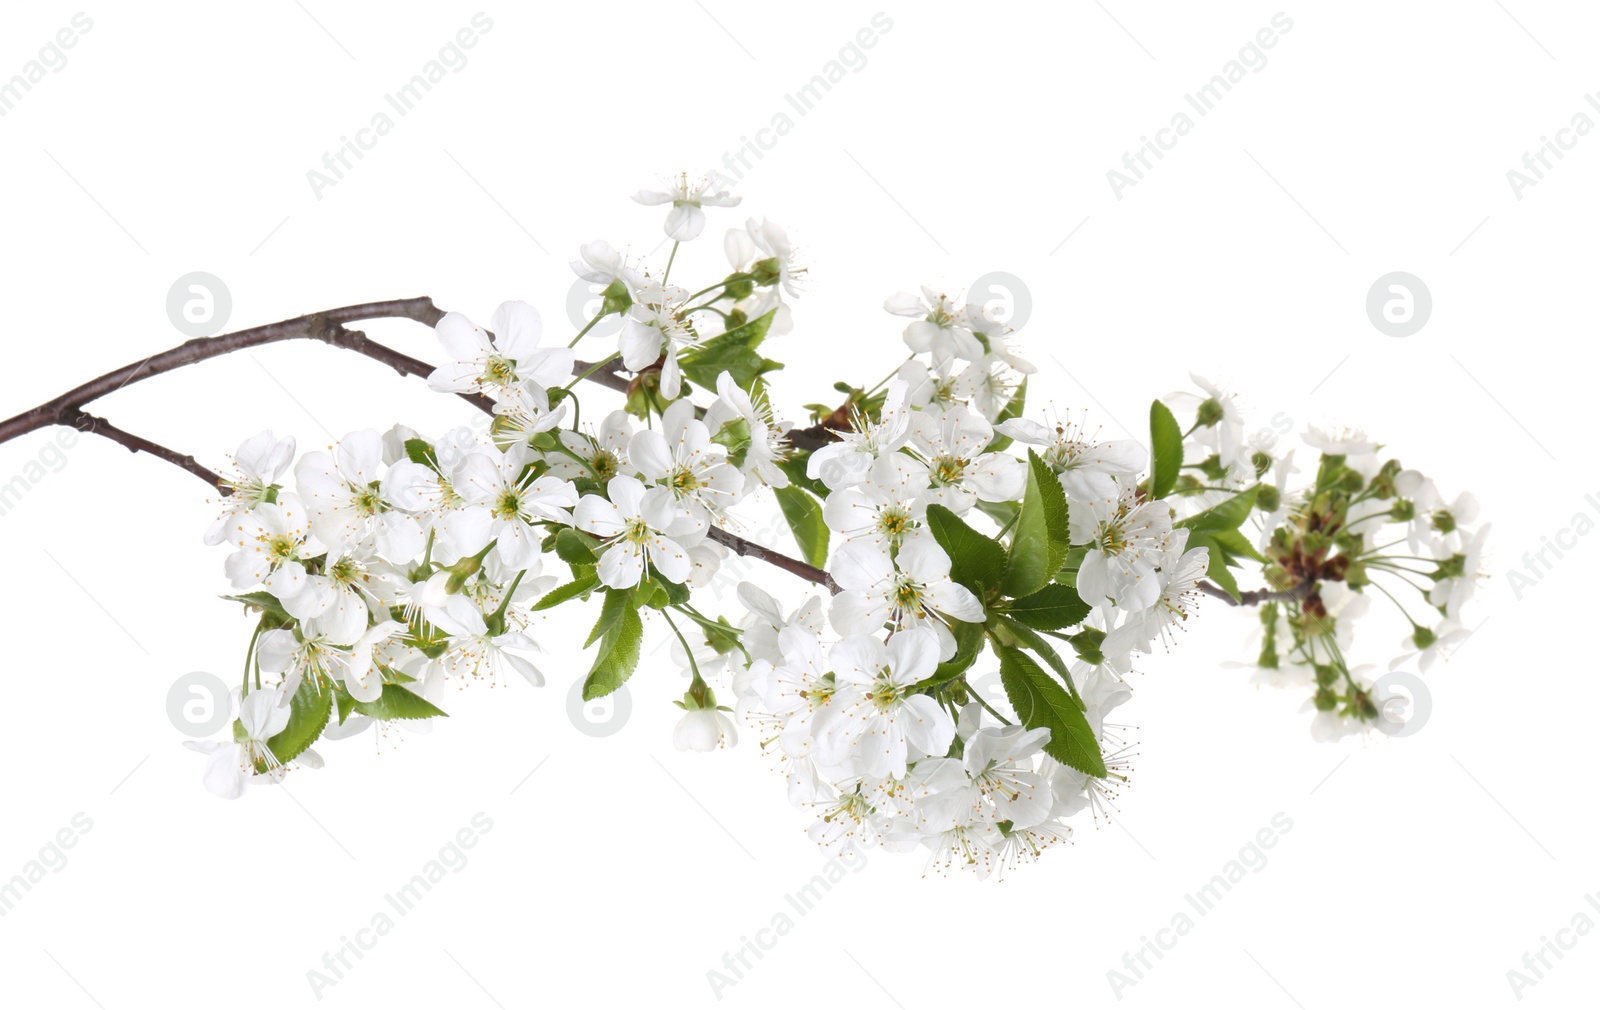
(812, 438)
(84, 421)
(1255, 596)
(748, 549)
(328, 327)
(325, 326)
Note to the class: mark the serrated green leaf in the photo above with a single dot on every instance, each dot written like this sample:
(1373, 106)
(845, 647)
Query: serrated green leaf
(804, 515)
(575, 548)
(617, 602)
(1041, 702)
(1166, 448)
(265, 602)
(1225, 515)
(309, 711)
(617, 657)
(969, 643)
(397, 702)
(1054, 606)
(1004, 513)
(1216, 563)
(1234, 544)
(584, 583)
(1035, 641)
(1039, 540)
(795, 468)
(976, 561)
(657, 593)
(733, 352)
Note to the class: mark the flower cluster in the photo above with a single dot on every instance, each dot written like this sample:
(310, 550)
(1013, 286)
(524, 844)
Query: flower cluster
(968, 541)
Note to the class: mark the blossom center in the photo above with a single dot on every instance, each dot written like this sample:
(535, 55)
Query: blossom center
(500, 370)
(949, 470)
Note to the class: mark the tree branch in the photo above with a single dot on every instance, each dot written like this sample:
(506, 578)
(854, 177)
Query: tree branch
(748, 549)
(328, 327)
(812, 438)
(325, 326)
(85, 421)
(1256, 596)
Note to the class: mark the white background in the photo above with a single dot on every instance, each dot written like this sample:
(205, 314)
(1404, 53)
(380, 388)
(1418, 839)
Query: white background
(976, 138)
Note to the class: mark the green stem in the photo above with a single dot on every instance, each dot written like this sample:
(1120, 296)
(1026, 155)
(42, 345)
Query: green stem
(694, 667)
(591, 324)
(721, 626)
(670, 257)
(249, 654)
(1397, 603)
(707, 307)
(986, 706)
(885, 380)
(608, 359)
(505, 604)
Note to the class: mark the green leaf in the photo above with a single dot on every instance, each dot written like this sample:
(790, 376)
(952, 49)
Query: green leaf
(1035, 641)
(419, 451)
(969, 642)
(1216, 563)
(1225, 515)
(396, 702)
(309, 711)
(575, 548)
(616, 603)
(804, 514)
(268, 604)
(1166, 447)
(1039, 541)
(618, 655)
(580, 586)
(1087, 643)
(1068, 575)
(733, 352)
(1054, 606)
(1004, 513)
(658, 593)
(795, 468)
(1041, 702)
(1235, 544)
(1012, 409)
(976, 561)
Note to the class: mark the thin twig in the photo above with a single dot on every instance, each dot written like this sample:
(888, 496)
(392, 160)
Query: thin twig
(812, 438)
(84, 421)
(328, 327)
(747, 549)
(1255, 596)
